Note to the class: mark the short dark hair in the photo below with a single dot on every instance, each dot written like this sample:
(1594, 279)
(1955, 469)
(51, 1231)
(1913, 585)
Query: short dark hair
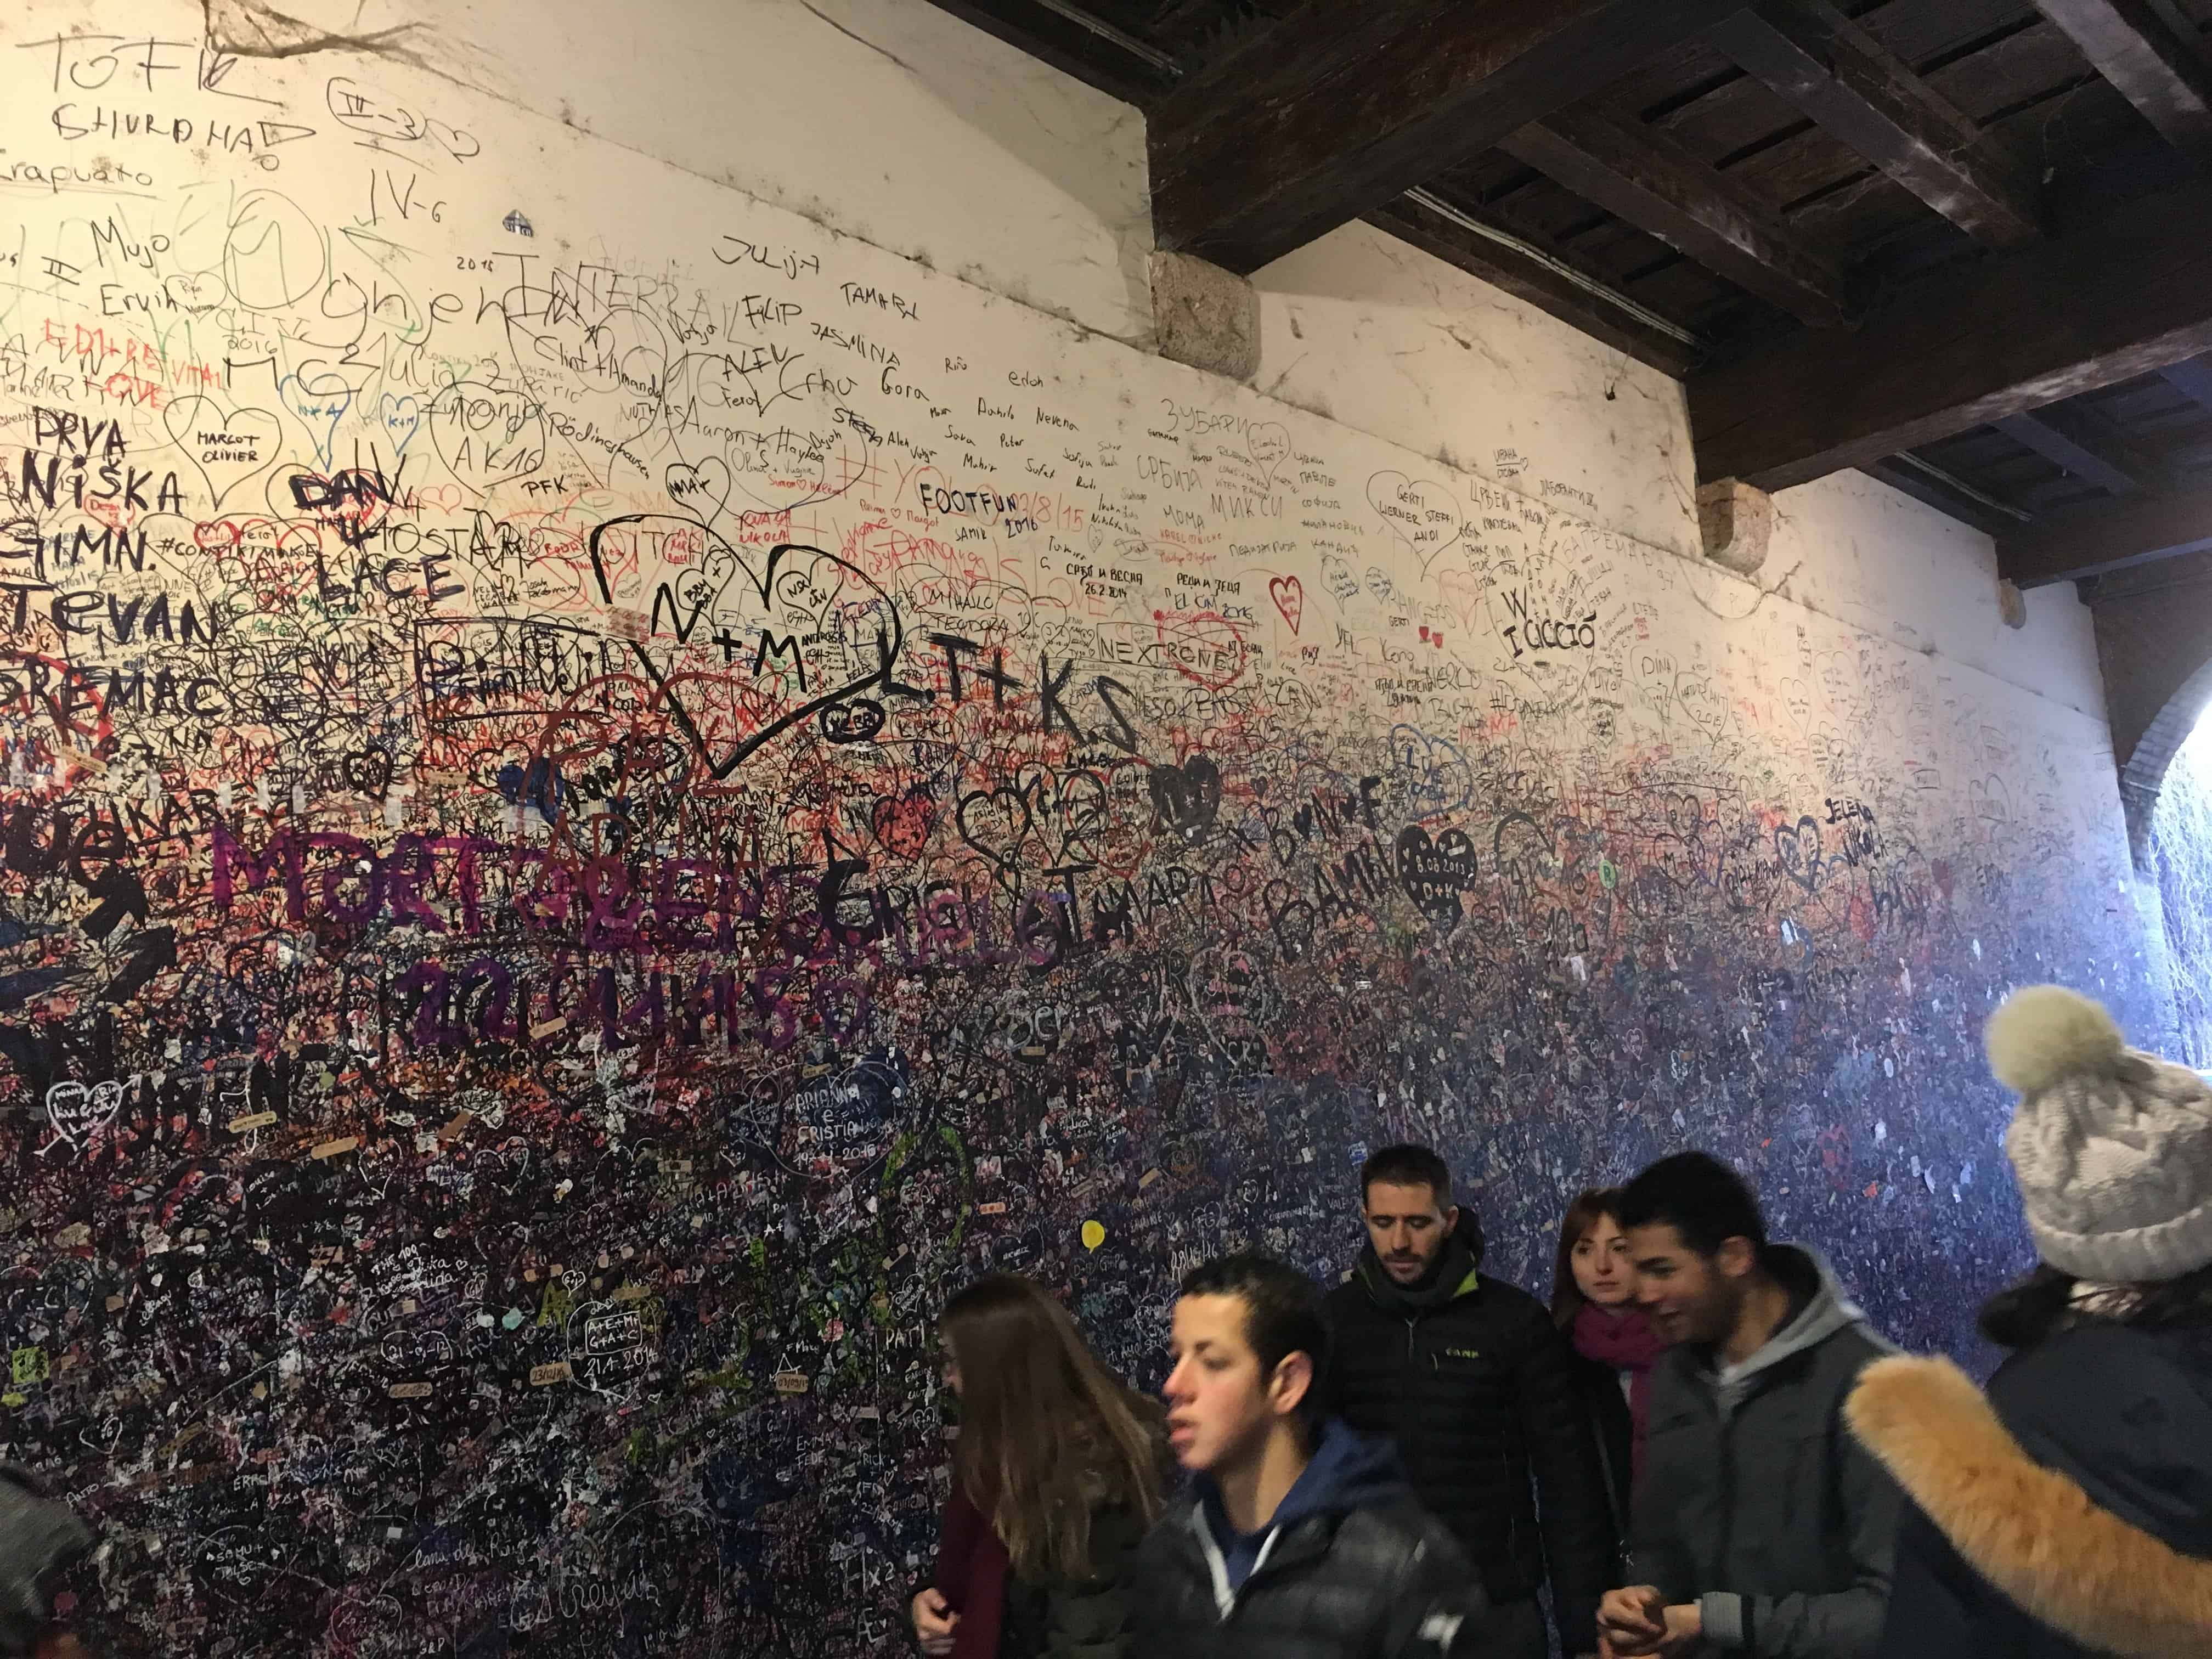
(1697, 1196)
(1407, 1166)
(1282, 1306)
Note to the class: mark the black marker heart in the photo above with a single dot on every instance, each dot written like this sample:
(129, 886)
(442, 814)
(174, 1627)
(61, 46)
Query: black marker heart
(996, 822)
(703, 490)
(1434, 873)
(1799, 849)
(756, 651)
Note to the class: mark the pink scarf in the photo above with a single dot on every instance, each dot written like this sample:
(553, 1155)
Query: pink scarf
(971, 1574)
(1623, 1342)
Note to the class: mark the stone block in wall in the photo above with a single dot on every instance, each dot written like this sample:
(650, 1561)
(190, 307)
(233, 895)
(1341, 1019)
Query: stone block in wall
(1205, 316)
(1736, 522)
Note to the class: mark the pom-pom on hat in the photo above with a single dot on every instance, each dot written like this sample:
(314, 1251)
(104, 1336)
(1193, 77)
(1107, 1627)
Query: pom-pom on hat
(2112, 1147)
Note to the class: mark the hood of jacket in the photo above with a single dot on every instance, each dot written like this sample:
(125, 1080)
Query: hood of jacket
(2031, 1531)
(1349, 1471)
(37, 1535)
(1456, 1273)
(1824, 1309)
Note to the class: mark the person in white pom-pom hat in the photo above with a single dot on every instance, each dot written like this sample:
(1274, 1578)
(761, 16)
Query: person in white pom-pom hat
(2070, 1513)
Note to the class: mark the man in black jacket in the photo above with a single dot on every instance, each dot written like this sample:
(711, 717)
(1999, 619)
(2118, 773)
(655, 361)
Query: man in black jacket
(1474, 1383)
(1294, 1539)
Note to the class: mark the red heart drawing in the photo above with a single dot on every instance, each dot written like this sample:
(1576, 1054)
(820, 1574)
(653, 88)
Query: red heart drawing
(1205, 646)
(1463, 592)
(1290, 597)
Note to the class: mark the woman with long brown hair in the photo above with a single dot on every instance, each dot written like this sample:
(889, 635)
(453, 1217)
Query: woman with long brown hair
(1593, 1302)
(1058, 1471)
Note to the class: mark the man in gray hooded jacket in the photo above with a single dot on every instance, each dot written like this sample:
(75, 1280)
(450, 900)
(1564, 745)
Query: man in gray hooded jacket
(1759, 1525)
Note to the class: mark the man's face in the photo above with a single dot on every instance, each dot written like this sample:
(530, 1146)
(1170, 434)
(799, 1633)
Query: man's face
(1407, 1227)
(1220, 1407)
(1690, 1298)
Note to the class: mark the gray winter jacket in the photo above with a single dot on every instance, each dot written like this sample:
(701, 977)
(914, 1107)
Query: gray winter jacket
(1754, 1500)
(37, 1537)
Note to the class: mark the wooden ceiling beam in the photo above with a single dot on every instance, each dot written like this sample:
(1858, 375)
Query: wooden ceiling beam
(2192, 378)
(1948, 495)
(1075, 43)
(1845, 80)
(2126, 296)
(1640, 173)
(2118, 538)
(1340, 108)
(2133, 47)
(1543, 279)
(2087, 448)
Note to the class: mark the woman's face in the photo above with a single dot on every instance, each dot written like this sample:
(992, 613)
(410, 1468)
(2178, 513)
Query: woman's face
(1600, 1262)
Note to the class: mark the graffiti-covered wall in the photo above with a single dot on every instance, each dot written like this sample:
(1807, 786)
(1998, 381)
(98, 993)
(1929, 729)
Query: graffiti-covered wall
(606, 793)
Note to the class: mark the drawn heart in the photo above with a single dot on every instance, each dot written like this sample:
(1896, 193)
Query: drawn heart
(196, 291)
(1797, 698)
(903, 822)
(703, 490)
(1341, 582)
(484, 435)
(1799, 850)
(1434, 873)
(784, 642)
(1421, 514)
(401, 418)
(1269, 443)
(321, 402)
(1463, 592)
(1188, 797)
(996, 822)
(1694, 691)
(784, 470)
(1205, 646)
(77, 1113)
(1290, 597)
(228, 450)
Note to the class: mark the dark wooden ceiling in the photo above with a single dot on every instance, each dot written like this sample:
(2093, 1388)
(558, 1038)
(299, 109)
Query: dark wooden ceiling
(1966, 245)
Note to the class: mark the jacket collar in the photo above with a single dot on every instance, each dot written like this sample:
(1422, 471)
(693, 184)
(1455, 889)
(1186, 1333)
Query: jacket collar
(1457, 1272)
(2031, 1531)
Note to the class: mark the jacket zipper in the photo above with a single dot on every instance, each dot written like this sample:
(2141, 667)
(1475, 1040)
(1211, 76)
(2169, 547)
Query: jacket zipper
(1408, 1418)
(1719, 1566)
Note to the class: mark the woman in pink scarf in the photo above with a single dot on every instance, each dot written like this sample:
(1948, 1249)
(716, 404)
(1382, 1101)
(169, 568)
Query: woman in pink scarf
(1594, 1302)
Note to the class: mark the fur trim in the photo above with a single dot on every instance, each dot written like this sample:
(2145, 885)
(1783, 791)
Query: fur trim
(2044, 1032)
(2029, 1530)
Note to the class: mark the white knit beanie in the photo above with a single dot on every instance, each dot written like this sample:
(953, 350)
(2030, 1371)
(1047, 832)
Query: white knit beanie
(2112, 1147)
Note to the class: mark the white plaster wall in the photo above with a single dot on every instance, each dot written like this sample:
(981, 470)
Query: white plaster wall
(895, 122)
(1375, 333)
(1850, 547)
(887, 120)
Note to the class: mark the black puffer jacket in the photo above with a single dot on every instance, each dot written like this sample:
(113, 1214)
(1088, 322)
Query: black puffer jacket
(1473, 1381)
(1613, 1431)
(1350, 1567)
(2001, 1559)
(1076, 1618)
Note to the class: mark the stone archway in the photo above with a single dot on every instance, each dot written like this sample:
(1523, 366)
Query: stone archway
(2154, 646)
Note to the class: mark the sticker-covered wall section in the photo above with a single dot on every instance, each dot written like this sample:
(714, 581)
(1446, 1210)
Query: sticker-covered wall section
(607, 792)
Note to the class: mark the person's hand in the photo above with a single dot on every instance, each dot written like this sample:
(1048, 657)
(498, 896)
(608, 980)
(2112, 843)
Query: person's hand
(1685, 1629)
(1630, 1621)
(933, 1622)
(1641, 1626)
